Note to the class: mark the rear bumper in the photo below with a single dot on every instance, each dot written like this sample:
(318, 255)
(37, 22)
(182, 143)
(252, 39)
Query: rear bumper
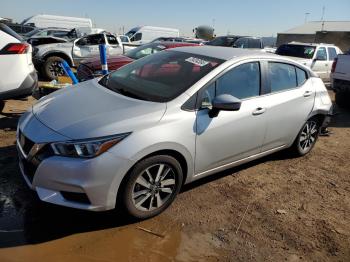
(25, 89)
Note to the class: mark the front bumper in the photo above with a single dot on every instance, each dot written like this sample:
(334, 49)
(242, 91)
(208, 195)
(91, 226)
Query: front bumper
(90, 184)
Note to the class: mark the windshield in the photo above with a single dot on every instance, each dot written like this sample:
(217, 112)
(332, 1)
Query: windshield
(145, 50)
(160, 77)
(302, 51)
(33, 32)
(223, 41)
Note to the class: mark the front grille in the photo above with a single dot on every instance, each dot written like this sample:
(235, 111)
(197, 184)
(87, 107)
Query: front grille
(25, 143)
(30, 167)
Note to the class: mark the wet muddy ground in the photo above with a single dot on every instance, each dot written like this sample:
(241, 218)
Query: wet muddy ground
(277, 209)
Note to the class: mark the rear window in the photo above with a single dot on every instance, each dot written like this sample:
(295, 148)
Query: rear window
(302, 51)
(9, 31)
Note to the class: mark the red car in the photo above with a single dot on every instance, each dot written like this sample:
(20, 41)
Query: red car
(90, 68)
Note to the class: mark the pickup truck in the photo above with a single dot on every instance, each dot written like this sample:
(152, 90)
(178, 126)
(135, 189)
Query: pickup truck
(47, 57)
(340, 80)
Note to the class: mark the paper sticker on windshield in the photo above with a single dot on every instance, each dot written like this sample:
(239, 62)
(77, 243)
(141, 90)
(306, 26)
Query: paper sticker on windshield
(197, 61)
(161, 46)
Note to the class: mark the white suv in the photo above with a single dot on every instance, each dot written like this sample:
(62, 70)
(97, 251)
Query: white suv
(17, 74)
(318, 57)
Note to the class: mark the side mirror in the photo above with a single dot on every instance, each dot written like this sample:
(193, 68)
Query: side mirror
(224, 102)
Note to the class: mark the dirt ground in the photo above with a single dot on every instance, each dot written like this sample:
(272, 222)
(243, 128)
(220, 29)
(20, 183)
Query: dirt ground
(275, 209)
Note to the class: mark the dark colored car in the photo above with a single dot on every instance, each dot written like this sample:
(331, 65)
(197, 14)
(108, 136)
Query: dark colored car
(237, 41)
(91, 68)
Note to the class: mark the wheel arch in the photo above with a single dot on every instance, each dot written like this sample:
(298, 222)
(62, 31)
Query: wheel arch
(185, 166)
(59, 54)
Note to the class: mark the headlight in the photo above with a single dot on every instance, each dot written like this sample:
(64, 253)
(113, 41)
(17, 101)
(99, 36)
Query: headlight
(87, 148)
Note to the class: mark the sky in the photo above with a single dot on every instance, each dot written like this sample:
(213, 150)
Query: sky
(247, 17)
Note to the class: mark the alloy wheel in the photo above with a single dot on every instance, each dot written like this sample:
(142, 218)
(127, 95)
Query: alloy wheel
(56, 69)
(154, 187)
(308, 136)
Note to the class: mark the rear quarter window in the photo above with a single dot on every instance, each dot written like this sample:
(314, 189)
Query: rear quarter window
(301, 76)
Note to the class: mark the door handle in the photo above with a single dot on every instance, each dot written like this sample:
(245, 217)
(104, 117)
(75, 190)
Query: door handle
(259, 111)
(307, 93)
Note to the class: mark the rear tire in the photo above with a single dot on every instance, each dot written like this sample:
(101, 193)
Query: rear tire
(151, 186)
(52, 69)
(306, 138)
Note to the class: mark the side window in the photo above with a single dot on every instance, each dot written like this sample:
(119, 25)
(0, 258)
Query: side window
(241, 43)
(301, 76)
(332, 53)
(59, 33)
(43, 33)
(137, 37)
(282, 76)
(95, 39)
(254, 43)
(242, 82)
(321, 54)
(112, 40)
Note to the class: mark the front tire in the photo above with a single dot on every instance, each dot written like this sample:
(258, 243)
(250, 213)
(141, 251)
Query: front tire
(306, 138)
(52, 68)
(151, 186)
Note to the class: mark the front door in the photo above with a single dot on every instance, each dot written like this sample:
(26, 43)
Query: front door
(232, 135)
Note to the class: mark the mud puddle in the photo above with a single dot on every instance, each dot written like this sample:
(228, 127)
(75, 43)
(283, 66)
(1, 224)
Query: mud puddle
(145, 241)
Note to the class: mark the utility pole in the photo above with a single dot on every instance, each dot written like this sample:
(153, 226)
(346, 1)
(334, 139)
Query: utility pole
(306, 15)
(323, 12)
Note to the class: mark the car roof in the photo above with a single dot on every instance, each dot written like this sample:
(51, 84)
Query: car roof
(169, 44)
(224, 53)
(309, 44)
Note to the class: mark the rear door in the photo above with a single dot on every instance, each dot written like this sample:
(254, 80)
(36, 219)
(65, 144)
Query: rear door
(288, 104)
(86, 47)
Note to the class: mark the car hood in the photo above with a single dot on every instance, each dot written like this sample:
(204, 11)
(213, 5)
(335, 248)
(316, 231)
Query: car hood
(89, 110)
(114, 62)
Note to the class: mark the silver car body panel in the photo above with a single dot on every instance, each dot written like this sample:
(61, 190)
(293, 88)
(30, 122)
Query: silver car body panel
(207, 145)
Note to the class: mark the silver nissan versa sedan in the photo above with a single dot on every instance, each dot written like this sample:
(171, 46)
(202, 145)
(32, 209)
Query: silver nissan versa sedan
(135, 136)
